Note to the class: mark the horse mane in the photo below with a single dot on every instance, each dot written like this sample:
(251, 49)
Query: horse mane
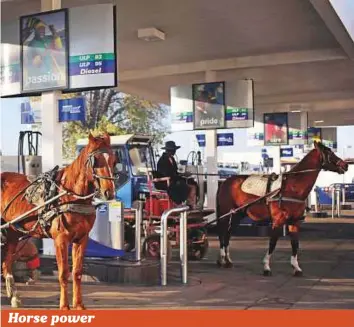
(305, 161)
(75, 177)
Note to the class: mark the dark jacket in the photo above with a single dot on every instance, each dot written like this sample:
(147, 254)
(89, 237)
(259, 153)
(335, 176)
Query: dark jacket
(167, 166)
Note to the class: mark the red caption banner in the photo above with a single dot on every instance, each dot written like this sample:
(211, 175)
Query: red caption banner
(178, 318)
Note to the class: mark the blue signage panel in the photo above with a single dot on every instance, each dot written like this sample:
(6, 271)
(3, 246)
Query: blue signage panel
(30, 112)
(225, 139)
(72, 109)
(201, 140)
(286, 152)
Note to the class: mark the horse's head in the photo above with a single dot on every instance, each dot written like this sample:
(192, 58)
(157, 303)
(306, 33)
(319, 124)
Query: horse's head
(329, 160)
(100, 161)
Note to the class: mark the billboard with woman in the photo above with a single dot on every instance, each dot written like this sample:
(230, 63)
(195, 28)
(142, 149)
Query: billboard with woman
(44, 51)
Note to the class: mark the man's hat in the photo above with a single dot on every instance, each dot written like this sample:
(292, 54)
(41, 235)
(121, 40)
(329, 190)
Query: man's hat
(170, 145)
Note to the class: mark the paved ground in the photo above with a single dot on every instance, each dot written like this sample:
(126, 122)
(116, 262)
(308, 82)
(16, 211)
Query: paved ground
(327, 258)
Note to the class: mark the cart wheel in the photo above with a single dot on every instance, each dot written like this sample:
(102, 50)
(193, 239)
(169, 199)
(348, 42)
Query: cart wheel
(151, 248)
(129, 238)
(198, 251)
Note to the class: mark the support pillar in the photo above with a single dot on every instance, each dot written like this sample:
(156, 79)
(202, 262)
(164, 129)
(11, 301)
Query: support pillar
(52, 137)
(211, 156)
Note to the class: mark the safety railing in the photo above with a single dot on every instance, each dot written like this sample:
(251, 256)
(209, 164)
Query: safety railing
(182, 243)
(138, 213)
(138, 222)
(336, 201)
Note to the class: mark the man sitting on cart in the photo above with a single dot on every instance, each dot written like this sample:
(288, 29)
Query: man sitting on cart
(167, 167)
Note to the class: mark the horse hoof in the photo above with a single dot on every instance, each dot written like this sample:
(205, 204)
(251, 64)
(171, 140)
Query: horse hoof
(267, 273)
(228, 264)
(79, 307)
(15, 302)
(219, 263)
(298, 273)
(65, 308)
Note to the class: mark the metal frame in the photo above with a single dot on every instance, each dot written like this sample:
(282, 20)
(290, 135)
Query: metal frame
(182, 246)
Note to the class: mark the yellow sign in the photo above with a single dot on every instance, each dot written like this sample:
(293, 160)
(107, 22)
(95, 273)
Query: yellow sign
(115, 211)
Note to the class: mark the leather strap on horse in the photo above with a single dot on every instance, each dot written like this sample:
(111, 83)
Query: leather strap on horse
(270, 196)
(245, 206)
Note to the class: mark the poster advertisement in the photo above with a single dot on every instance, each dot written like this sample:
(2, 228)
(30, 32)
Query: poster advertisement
(72, 109)
(31, 112)
(181, 108)
(92, 61)
(44, 51)
(209, 105)
(10, 60)
(275, 129)
(239, 104)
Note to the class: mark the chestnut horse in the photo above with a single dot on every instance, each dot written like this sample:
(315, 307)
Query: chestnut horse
(89, 177)
(286, 205)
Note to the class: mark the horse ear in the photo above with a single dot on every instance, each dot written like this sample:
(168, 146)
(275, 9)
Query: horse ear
(91, 137)
(107, 138)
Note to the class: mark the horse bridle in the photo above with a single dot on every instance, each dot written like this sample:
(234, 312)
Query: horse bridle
(91, 161)
(326, 157)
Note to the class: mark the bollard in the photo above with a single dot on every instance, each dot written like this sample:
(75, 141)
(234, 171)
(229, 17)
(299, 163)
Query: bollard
(338, 191)
(316, 201)
(163, 243)
(138, 220)
(183, 246)
(343, 196)
(333, 201)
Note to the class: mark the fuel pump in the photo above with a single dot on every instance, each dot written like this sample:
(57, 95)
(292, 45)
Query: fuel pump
(29, 162)
(196, 169)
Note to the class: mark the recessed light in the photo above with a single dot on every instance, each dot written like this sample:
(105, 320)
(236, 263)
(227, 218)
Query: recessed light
(295, 110)
(318, 121)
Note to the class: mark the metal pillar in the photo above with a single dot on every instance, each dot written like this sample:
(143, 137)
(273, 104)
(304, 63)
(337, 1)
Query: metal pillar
(51, 129)
(211, 157)
(183, 243)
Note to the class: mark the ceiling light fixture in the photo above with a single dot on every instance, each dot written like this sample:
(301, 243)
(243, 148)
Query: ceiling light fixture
(295, 110)
(151, 34)
(318, 121)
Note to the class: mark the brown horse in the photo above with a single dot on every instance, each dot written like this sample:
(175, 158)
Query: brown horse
(67, 220)
(285, 206)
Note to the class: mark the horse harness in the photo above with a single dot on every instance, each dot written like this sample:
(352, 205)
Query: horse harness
(45, 187)
(276, 195)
